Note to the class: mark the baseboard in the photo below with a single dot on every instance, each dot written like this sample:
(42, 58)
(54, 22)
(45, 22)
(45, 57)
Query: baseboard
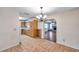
(8, 47)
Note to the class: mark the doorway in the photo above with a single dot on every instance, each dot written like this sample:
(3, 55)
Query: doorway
(50, 30)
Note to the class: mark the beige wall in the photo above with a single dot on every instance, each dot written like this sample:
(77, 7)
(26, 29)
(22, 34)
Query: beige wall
(8, 33)
(68, 28)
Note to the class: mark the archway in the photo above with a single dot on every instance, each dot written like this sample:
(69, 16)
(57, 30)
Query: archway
(50, 28)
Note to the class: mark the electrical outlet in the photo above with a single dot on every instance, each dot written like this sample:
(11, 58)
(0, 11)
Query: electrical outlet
(63, 39)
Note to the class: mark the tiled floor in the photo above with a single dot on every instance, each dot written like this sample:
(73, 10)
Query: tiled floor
(39, 45)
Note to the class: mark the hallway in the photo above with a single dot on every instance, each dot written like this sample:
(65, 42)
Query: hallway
(39, 45)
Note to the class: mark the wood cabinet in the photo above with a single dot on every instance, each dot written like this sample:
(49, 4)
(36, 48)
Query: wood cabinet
(33, 31)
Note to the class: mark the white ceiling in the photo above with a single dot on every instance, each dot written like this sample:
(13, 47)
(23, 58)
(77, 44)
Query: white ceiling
(34, 11)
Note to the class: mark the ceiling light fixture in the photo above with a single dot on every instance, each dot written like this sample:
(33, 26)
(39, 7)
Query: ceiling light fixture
(41, 17)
